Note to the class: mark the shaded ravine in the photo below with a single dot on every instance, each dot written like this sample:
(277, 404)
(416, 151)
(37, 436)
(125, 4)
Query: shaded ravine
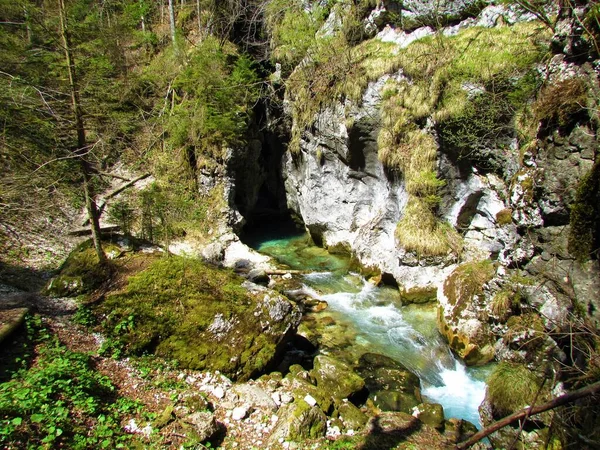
(372, 319)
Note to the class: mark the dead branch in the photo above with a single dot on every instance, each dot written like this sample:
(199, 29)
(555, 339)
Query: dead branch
(114, 193)
(570, 397)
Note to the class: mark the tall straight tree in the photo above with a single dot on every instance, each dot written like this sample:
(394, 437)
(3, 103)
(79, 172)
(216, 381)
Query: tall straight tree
(172, 21)
(81, 150)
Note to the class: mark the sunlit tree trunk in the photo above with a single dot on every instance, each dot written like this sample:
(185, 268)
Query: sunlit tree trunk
(81, 149)
(172, 21)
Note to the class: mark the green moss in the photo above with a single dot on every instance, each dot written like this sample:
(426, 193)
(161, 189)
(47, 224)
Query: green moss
(81, 271)
(466, 282)
(584, 234)
(504, 217)
(169, 309)
(511, 387)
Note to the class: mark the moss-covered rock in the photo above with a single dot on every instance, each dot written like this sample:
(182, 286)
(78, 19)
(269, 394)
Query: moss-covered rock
(462, 318)
(201, 316)
(419, 295)
(387, 400)
(431, 414)
(299, 421)
(351, 417)
(81, 272)
(336, 377)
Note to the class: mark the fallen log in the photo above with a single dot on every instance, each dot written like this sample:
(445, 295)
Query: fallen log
(524, 413)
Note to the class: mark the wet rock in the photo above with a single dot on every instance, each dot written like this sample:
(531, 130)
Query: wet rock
(395, 401)
(392, 423)
(336, 377)
(258, 276)
(431, 414)
(462, 318)
(299, 421)
(382, 372)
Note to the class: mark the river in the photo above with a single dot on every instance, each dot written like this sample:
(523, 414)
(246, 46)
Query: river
(362, 317)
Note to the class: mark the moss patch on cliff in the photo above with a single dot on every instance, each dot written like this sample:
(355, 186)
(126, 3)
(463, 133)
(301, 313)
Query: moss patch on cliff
(584, 235)
(199, 315)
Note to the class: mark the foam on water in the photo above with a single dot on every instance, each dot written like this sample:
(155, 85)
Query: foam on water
(460, 393)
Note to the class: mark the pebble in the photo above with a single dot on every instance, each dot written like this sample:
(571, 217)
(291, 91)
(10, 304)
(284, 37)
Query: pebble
(286, 398)
(218, 392)
(239, 413)
(310, 400)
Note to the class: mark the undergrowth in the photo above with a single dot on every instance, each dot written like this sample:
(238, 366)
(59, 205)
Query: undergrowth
(60, 401)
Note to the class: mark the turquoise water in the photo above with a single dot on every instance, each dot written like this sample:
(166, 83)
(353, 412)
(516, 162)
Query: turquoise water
(367, 318)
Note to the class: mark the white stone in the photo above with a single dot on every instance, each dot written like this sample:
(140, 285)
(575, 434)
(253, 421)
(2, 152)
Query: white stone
(239, 413)
(218, 392)
(310, 400)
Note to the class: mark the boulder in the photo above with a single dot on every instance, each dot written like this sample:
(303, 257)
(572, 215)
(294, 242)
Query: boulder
(299, 421)
(384, 373)
(395, 401)
(351, 417)
(462, 316)
(202, 425)
(254, 397)
(336, 378)
(431, 414)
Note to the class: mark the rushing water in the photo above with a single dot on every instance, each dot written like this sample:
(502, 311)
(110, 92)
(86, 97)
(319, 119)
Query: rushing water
(372, 319)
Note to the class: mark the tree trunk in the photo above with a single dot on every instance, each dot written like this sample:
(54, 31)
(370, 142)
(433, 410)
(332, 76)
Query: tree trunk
(172, 21)
(90, 201)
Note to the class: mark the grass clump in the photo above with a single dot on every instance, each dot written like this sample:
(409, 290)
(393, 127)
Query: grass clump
(559, 103)
(420, 231)
(60, 401)
(180, 308)
(510, 388)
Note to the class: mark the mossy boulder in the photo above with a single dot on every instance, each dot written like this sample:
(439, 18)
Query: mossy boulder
(201, 316)
(351, 417)
(384, 373)
(336, 378)
(300, 384)
(462, 316)
(81, 272)
(395, 401)
(431, 414)
(299, 421)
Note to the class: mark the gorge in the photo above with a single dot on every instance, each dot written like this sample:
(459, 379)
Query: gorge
(367, 224)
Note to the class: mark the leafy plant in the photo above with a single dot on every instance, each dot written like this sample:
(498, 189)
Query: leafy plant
(61, 401)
